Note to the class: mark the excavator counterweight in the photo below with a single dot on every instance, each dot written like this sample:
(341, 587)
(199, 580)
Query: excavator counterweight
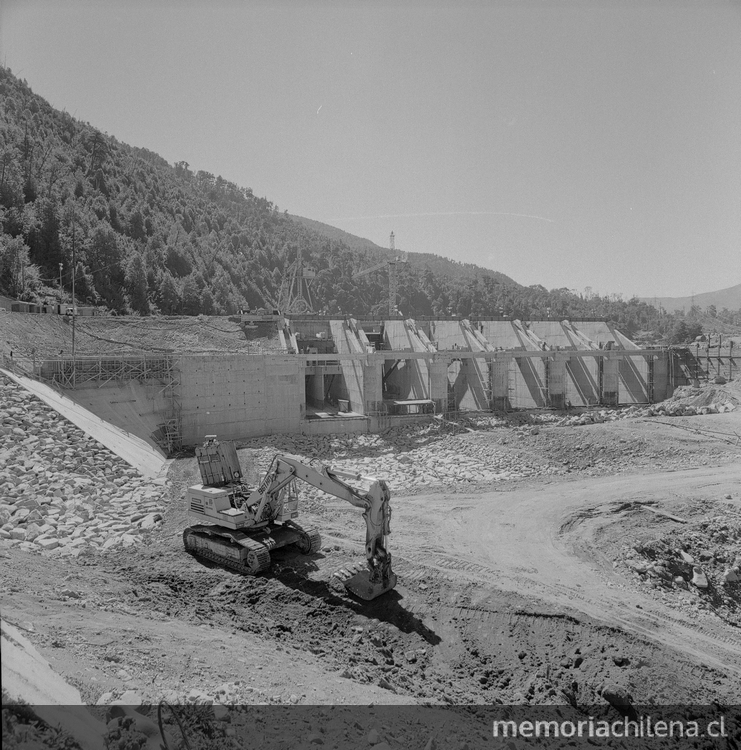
(238, 526)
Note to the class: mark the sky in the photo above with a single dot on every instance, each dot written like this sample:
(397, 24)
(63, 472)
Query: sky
(569, 144)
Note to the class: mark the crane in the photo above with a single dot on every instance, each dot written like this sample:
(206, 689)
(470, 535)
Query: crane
(294, 295)
(392, 265)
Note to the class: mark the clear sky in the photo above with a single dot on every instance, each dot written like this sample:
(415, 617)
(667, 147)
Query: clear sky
(568, 144)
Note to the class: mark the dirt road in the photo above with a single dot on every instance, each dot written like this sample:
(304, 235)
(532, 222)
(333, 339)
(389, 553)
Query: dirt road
(546, 542)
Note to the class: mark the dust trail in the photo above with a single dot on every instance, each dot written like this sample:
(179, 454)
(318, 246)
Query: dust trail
(445, 213)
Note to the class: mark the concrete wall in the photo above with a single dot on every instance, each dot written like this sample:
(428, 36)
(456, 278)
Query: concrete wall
(398, 336)
(240, 396)
(553, 333)
(610, 380)
(527, 383)
(599, 332)
(334, 426)
(372, 388)
(469, 381)
(350, 384)
(500, 333)
(139, 407)
(314, 386)
(633, 380)
(411, 378)
(500, 395)
(582, 381)
(662, 387)
(447, 334)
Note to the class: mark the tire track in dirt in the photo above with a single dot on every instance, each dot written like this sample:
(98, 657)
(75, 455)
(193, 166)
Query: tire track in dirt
(527, 535)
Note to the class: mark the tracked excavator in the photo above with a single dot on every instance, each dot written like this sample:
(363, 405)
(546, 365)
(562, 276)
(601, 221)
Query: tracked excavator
(237, 526)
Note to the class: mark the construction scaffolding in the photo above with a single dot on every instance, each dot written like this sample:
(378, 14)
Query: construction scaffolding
(71, 373)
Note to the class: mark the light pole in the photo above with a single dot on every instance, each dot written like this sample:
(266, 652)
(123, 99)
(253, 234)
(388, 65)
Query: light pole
(60, 287)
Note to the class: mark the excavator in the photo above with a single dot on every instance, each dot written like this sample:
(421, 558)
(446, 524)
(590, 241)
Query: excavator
(237, 526)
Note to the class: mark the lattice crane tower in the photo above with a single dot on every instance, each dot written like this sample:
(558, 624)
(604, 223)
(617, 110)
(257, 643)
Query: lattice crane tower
(393, 280)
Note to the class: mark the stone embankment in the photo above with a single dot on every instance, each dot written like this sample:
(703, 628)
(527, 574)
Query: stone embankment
(60, 490)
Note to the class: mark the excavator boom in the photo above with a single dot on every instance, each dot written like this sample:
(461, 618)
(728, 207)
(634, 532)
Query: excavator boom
(379, 578)
(238, 526)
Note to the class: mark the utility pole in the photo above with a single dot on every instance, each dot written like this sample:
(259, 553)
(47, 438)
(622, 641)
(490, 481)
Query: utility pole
(60, 287)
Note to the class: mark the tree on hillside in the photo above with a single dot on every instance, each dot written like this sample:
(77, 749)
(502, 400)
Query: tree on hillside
(685, 333)
(191, 297)
(17, 275)
(136, 284)
(207, 302)
(104, 258)
(168, 297)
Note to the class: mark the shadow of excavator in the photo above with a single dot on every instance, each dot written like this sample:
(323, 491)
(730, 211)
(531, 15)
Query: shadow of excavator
(388, 607)
(292, 569)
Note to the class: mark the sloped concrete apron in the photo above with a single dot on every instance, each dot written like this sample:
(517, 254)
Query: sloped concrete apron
(135, 451)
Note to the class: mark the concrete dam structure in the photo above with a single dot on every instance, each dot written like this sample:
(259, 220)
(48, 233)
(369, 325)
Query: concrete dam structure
(364, 375)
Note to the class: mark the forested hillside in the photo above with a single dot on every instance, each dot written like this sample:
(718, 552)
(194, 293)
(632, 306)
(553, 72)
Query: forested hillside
(149, 237)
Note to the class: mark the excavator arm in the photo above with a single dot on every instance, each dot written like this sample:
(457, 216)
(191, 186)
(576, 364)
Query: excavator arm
(374, 502)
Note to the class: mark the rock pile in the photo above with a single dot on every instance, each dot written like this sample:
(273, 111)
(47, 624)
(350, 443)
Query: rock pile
(61, 491)
(706, 399)
(594, 416)
(409, 458)
(700, 563)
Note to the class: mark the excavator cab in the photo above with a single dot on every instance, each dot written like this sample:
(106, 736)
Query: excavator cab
(218, 463)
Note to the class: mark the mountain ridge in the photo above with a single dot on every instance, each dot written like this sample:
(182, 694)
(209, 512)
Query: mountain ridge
(728, 298)
(437, 263)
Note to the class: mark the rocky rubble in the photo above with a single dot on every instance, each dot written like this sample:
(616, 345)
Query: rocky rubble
(686, 401)
(409, 458)
(63, 493)
(689, 400)
(479, 451)
(696, 567)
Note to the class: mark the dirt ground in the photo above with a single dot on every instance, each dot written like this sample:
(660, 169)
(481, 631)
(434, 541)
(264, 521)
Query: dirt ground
(515, 595)
(43, 336)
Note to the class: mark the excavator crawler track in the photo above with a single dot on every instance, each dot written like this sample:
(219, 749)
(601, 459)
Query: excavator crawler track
(256, 561)
(310, 540)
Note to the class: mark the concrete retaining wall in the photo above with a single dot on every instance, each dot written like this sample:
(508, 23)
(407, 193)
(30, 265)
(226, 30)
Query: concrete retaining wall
(136, 406)
(240, 396)
(334, 426)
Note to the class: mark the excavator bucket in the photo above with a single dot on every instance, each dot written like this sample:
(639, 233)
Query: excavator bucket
(364, 588)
